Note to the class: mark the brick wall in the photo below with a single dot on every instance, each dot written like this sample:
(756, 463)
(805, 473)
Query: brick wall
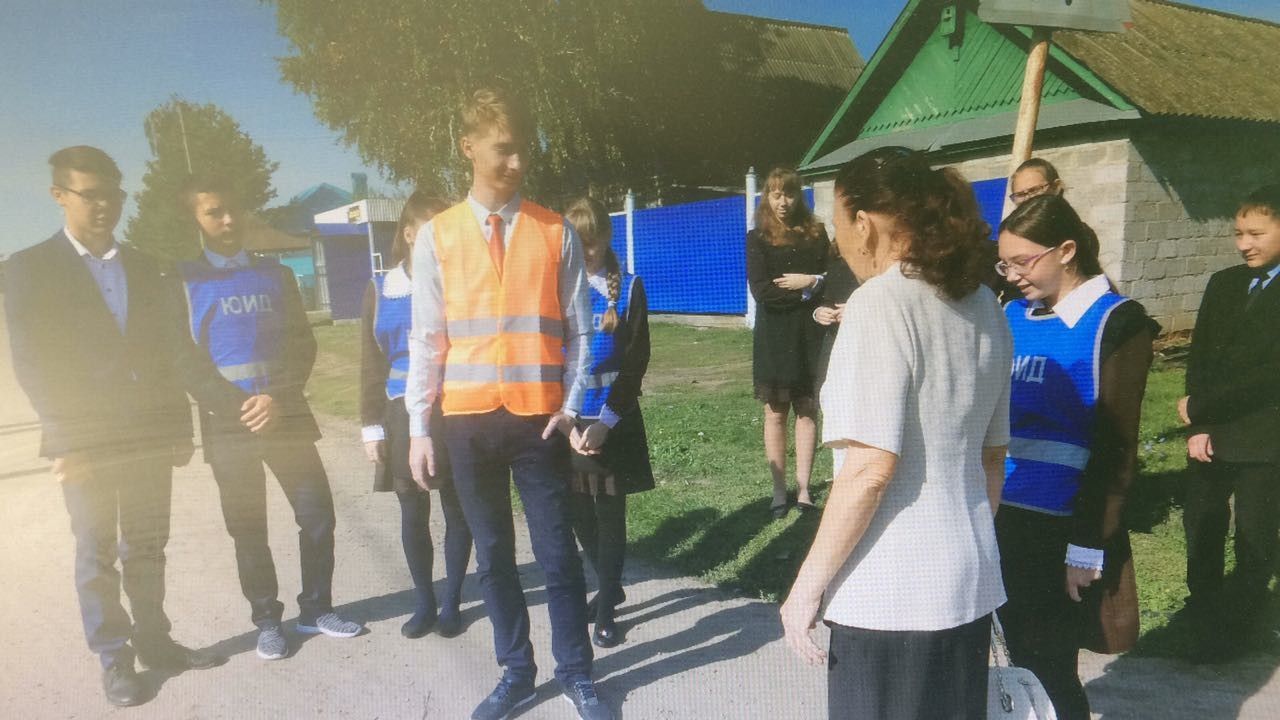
(1185, 181)
(1162, 200)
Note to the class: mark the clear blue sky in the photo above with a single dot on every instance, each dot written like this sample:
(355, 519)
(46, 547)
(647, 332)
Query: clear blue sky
(89, 71)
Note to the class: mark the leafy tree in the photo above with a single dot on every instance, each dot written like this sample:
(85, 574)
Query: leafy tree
(186, 138)
(603, 79)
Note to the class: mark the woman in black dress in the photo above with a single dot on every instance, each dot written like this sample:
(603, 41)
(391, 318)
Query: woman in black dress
(786, 257)
(384, 365)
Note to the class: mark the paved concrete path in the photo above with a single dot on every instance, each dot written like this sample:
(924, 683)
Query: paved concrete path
(691, 651)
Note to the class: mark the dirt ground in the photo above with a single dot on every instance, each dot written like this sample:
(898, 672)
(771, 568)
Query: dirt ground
(691, 651)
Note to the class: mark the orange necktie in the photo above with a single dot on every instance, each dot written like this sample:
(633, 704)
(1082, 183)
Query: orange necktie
(496, 247)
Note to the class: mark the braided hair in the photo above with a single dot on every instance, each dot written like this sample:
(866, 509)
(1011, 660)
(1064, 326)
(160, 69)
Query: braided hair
(591, 220)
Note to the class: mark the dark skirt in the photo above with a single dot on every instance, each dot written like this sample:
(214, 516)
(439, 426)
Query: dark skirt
(394, 473)
(624, 458)
(785, 349)
(908, 675)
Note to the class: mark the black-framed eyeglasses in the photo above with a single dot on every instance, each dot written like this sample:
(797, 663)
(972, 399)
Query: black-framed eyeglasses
(1030, 192)
(98, 197)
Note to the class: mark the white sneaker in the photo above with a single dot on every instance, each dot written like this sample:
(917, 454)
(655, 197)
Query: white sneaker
(332, 625)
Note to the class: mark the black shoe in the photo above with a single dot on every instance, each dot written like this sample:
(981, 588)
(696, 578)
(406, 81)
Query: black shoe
(169, 655)
(449, 624)
(779, 511)
(122, 685)
(606, 635)
(509, 695)
(420, 624)
(805, 508)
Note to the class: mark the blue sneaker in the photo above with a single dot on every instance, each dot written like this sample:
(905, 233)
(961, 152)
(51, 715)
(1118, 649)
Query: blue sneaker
(510, 694)
(582, 694)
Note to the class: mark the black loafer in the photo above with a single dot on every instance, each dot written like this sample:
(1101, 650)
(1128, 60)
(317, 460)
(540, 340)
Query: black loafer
(418, 625)
(606, 635)
(122, 685)
(174, 657)
(593, 605)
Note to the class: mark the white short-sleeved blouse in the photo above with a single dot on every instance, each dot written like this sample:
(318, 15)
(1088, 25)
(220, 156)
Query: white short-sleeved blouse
(927, 379)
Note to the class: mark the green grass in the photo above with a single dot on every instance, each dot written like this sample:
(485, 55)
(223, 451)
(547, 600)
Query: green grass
(709, 515)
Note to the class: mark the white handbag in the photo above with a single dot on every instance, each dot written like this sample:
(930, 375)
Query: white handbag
(1013, 693)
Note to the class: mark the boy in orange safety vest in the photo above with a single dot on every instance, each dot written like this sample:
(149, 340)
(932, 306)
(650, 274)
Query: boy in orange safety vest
(501, 328)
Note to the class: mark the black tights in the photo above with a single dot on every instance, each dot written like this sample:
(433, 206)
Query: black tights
(415, 535)
(600, 522)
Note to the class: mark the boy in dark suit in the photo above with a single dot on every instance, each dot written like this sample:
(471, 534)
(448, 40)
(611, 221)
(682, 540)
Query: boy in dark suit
(93, 341)
(1232, 410)
(245, 316)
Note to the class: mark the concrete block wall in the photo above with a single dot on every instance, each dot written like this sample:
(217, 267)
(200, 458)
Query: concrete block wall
(1185, 181)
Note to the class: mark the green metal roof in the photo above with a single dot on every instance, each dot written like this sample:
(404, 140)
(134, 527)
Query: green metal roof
(940, 64)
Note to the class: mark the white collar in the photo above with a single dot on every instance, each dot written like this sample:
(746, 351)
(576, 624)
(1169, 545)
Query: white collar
(506, 212)
(600, 282)
(1077, 302)
(396, 283)
(82, 251)
(222, 262)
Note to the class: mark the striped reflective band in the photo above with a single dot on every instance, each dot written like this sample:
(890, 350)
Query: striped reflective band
(601, 380)
(247, 371)
(477, 327)
(511, 373)
(398, 374)
(1048, 451)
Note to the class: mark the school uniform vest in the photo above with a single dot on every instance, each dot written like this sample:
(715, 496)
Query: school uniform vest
(506, 335)
(1051, 412)
(237, 316)
(393, 316)
(606, 353)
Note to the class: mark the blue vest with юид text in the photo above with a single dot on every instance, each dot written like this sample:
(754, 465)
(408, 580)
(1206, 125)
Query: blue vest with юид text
(237, 317)
(606, 355)
(1051, 412)
(393, 317)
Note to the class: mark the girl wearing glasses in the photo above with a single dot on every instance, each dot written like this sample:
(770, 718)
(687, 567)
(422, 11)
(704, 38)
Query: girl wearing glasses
(1081, 356)
(1034, 178)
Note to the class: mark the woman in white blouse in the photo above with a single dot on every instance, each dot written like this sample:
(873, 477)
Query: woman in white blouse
(904, 568)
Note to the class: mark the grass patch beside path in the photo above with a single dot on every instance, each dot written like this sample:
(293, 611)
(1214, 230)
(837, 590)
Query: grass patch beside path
(709, 516)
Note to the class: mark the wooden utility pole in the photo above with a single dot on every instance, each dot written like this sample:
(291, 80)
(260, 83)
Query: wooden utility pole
(1032, 87)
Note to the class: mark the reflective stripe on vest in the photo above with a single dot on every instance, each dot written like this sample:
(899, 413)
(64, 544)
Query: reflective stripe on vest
(1051, 410)
(236, 316)
(393, 317)
(606, 354)
(506, 336)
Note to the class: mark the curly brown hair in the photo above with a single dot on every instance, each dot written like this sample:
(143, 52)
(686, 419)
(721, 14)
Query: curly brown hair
(950, 243)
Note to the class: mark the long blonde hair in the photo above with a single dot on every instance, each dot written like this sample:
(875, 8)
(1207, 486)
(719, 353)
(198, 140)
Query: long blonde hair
(801, 225)
(590, 218)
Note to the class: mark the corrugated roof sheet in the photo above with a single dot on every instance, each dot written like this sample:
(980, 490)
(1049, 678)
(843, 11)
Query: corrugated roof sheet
(1182, 60)
(819, 54)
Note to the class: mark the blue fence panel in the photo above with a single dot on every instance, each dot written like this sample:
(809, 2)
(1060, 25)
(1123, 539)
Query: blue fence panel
(990, 194)
(692, 256)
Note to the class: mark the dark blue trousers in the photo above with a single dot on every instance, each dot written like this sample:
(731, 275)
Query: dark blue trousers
(131, 491)
(237, 465)
(487, 452)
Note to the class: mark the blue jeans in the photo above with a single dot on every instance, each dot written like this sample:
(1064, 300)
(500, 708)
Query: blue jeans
(130, 490)
(487, 452)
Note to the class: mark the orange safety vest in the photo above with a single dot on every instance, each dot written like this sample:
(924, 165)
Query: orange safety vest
(506, 336)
